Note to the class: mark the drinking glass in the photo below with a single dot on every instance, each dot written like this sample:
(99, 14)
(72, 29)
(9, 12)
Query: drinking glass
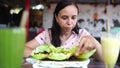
(110, 48)
(12, 41)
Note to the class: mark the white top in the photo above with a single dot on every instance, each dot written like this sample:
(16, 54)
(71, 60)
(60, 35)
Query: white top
(74, 39)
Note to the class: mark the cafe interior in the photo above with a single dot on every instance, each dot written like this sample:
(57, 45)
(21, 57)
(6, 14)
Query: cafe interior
(94, 16)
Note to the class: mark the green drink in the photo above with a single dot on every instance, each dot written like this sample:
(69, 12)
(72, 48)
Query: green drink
(12, 41)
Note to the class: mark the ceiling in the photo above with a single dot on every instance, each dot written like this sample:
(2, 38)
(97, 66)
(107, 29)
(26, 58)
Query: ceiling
(35, 2)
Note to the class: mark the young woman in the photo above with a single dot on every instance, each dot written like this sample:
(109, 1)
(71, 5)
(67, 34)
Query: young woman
(65, 32)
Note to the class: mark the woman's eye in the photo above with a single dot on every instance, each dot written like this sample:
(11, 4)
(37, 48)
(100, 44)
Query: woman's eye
(74, 17)
(64, 17)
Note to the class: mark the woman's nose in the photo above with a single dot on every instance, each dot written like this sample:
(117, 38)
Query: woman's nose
(69, 21)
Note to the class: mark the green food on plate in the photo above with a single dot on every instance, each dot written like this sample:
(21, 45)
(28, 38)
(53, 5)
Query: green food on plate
(48, 51)
(87, 54)
(41, 52)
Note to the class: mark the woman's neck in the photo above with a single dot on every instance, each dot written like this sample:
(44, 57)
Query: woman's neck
(65, 35)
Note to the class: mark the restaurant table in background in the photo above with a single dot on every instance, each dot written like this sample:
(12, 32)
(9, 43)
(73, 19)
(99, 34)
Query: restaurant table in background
(92, 64)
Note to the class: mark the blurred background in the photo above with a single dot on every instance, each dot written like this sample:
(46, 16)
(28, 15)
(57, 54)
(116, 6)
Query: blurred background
(94, 15)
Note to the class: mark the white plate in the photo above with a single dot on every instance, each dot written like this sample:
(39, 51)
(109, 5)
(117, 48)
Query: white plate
(61, 64)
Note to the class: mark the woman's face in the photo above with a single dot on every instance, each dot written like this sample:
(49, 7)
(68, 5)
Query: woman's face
(67, 18)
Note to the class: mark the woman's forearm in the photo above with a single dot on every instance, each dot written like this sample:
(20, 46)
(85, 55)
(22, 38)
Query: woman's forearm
(27, 51)
(98, 54)
(29, 47)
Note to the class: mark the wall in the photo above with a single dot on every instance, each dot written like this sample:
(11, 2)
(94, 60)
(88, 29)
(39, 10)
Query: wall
(105, 14)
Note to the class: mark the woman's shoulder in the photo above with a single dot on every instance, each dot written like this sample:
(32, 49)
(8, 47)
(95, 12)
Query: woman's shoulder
(83, 31)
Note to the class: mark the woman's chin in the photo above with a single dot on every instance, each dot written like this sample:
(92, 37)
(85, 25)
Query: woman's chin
(68, 29)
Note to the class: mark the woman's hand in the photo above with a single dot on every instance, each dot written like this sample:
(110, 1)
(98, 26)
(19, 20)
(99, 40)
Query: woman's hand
(86, 43)
(89, 43)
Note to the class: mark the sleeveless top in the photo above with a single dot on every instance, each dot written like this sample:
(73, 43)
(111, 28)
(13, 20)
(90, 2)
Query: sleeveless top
(74, 39)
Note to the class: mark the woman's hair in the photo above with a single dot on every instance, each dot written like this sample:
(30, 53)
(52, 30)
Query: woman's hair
(56, 29)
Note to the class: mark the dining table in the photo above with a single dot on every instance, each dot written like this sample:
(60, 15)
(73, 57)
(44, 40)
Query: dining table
(92, 64)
